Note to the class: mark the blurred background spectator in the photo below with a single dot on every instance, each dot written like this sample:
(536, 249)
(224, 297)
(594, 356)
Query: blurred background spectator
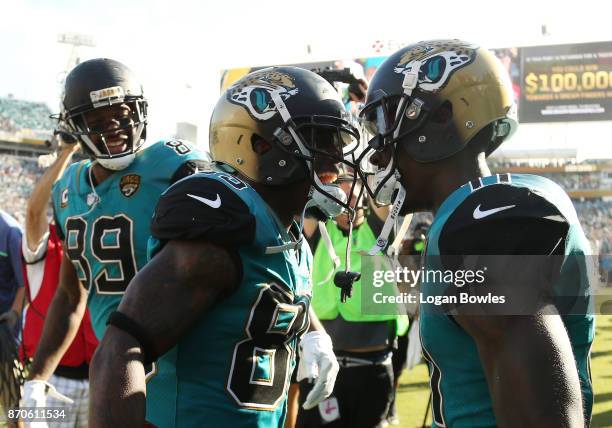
(17, 178)
(18, 114)
(11, 272)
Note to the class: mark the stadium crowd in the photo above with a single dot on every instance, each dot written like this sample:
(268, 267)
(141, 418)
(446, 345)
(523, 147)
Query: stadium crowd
(596, 218)
(17, 178)
(18, 114)
(19, 174)
(576, 181)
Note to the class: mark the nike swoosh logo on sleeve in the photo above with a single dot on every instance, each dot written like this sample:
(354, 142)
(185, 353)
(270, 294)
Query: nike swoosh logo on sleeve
(478, 214)
(211, 203)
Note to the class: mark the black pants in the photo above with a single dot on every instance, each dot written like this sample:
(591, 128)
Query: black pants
(362, 394)
(400, 354)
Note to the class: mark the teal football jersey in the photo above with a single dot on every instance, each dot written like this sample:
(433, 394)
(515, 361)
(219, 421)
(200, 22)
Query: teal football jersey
(233, 367)
(460, 395)
(106, 238)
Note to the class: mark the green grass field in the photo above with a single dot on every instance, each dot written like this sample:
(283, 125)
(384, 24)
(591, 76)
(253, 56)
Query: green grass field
(413, 391)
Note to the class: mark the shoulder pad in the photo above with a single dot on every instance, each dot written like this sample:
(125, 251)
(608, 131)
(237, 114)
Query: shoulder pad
(200, 207)
(502, 201)
(503, 219)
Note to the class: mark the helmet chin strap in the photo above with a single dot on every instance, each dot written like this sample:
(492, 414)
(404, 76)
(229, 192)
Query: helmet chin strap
(383, 237)
(293, 245)
(386, 194)
(391, 179)
(329, 246)
(393, 183)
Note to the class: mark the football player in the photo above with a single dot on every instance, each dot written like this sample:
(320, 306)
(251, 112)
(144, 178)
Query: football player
(102, 205)
(226, 295)
(436, 110)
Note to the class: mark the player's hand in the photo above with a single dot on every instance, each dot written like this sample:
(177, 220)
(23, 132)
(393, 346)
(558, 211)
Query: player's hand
(318, 363)
(11, 317)
(68, 146)
(358, 91)
(413, 355)
(35, 393)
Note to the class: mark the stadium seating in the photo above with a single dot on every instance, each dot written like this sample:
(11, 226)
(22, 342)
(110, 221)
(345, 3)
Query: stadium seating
(17, 178)
(17, 114)
(18, 175)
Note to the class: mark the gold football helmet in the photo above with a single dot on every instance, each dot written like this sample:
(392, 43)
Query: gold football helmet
(430, 99)
(281, 125)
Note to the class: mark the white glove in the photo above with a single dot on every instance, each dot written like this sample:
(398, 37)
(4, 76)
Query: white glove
(318, 362)
(413, 355)
(35, 393)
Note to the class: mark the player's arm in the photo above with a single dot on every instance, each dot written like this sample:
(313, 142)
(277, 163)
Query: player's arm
(36, 226)
(61, 323)
(34, 244)
(530, 369)
(527, 359)
(180, 284)
(199, 223)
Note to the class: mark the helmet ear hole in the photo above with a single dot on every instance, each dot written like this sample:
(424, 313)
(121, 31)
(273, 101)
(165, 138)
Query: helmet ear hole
(443, 114)
(259, 145)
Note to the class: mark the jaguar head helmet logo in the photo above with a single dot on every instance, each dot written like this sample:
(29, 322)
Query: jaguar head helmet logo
(254, 92)
(437, 61)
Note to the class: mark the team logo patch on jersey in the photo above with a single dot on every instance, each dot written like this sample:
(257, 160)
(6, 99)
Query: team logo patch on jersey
(437, 61)
(129, 184)
(255, 92)
(64, 199)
